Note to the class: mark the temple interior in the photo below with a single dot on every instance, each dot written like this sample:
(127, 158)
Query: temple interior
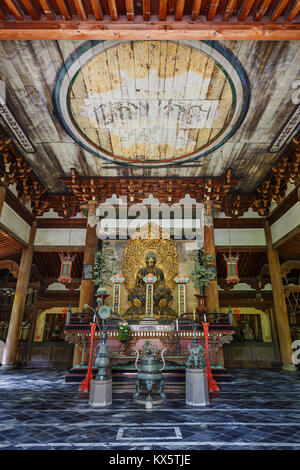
(149, 225)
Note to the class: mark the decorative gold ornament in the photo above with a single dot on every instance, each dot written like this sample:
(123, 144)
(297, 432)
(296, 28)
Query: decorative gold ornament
(150, 237)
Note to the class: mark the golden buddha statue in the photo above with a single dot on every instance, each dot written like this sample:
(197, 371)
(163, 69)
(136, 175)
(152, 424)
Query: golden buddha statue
(161, 294)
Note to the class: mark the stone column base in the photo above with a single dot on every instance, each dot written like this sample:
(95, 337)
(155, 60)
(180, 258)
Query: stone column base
(289, 367)
(5, 367)
(196, 393)
(101, 393)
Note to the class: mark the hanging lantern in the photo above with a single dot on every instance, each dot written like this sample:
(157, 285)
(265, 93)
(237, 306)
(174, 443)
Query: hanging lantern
(232, 268)
(66, 267)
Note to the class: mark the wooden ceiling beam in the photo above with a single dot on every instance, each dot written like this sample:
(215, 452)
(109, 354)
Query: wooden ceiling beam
(262, 10)
(229, 9)
(113, 10)
(80, 10)
(196, 9)
(129, 9)
(294, 11)
(47, 9)
(30, 9)
(97, 9)
(63, 9)
(279, 9)
(247, 5)
(212, 10)
(146, 10)
(179, 10)
(141, 30)
(13, 9)
(163, 5)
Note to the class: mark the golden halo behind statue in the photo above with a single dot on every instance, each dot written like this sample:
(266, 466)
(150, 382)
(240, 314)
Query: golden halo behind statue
(150, 238)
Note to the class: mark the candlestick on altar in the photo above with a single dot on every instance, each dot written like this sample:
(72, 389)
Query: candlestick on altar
(177, 325)
(212, 385)
(194, 315)
(205, 318)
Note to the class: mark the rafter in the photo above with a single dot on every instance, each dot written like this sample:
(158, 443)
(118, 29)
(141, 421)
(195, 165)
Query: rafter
(2, 14)
(113, 10)
(13, 9)
(80, 10)
(262, 10)
(130, 10)
(247, 5)
(97, 9)
(229, 9)
(212, 10)
(63, 9)
(146, 10)
(196, 9)
(30, 9)
(47, 9)
(163, 4)
(294, 11)
(179, 10)
(171, 7)
(279, 9)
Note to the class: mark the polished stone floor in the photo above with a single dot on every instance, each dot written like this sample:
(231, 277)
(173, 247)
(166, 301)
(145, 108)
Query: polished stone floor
(261, 410)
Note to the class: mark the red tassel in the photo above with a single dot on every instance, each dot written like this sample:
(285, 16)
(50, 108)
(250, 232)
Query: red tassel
(86, 383)
(212, 384)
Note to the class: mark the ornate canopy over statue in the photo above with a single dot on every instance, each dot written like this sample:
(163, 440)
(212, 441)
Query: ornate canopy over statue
(150, 251)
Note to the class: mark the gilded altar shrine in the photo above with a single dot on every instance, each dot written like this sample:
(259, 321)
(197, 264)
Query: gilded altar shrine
(155, 290)
(150, 251)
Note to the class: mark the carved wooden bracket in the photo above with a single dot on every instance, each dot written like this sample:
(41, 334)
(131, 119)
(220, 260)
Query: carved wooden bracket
(18, 171)
(288, 266)
(12, 266)
(291, 288)
(275, 186)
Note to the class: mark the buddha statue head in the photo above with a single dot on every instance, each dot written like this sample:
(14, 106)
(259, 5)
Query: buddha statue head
(150, 259)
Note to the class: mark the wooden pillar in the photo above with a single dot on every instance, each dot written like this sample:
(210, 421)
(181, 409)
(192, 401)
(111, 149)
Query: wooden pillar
(279, 304)
(212, 300)
(87, 285)
(17, 313)
(33, 318)
(2, 197)
(76, 356)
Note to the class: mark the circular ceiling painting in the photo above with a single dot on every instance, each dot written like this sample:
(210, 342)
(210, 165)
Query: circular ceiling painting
(151, 102)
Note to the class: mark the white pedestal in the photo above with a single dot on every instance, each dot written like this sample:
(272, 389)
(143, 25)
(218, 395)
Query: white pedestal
(101, 393)
(196, 393)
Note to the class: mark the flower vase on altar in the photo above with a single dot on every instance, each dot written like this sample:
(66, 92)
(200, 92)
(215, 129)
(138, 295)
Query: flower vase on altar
(124, 338)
